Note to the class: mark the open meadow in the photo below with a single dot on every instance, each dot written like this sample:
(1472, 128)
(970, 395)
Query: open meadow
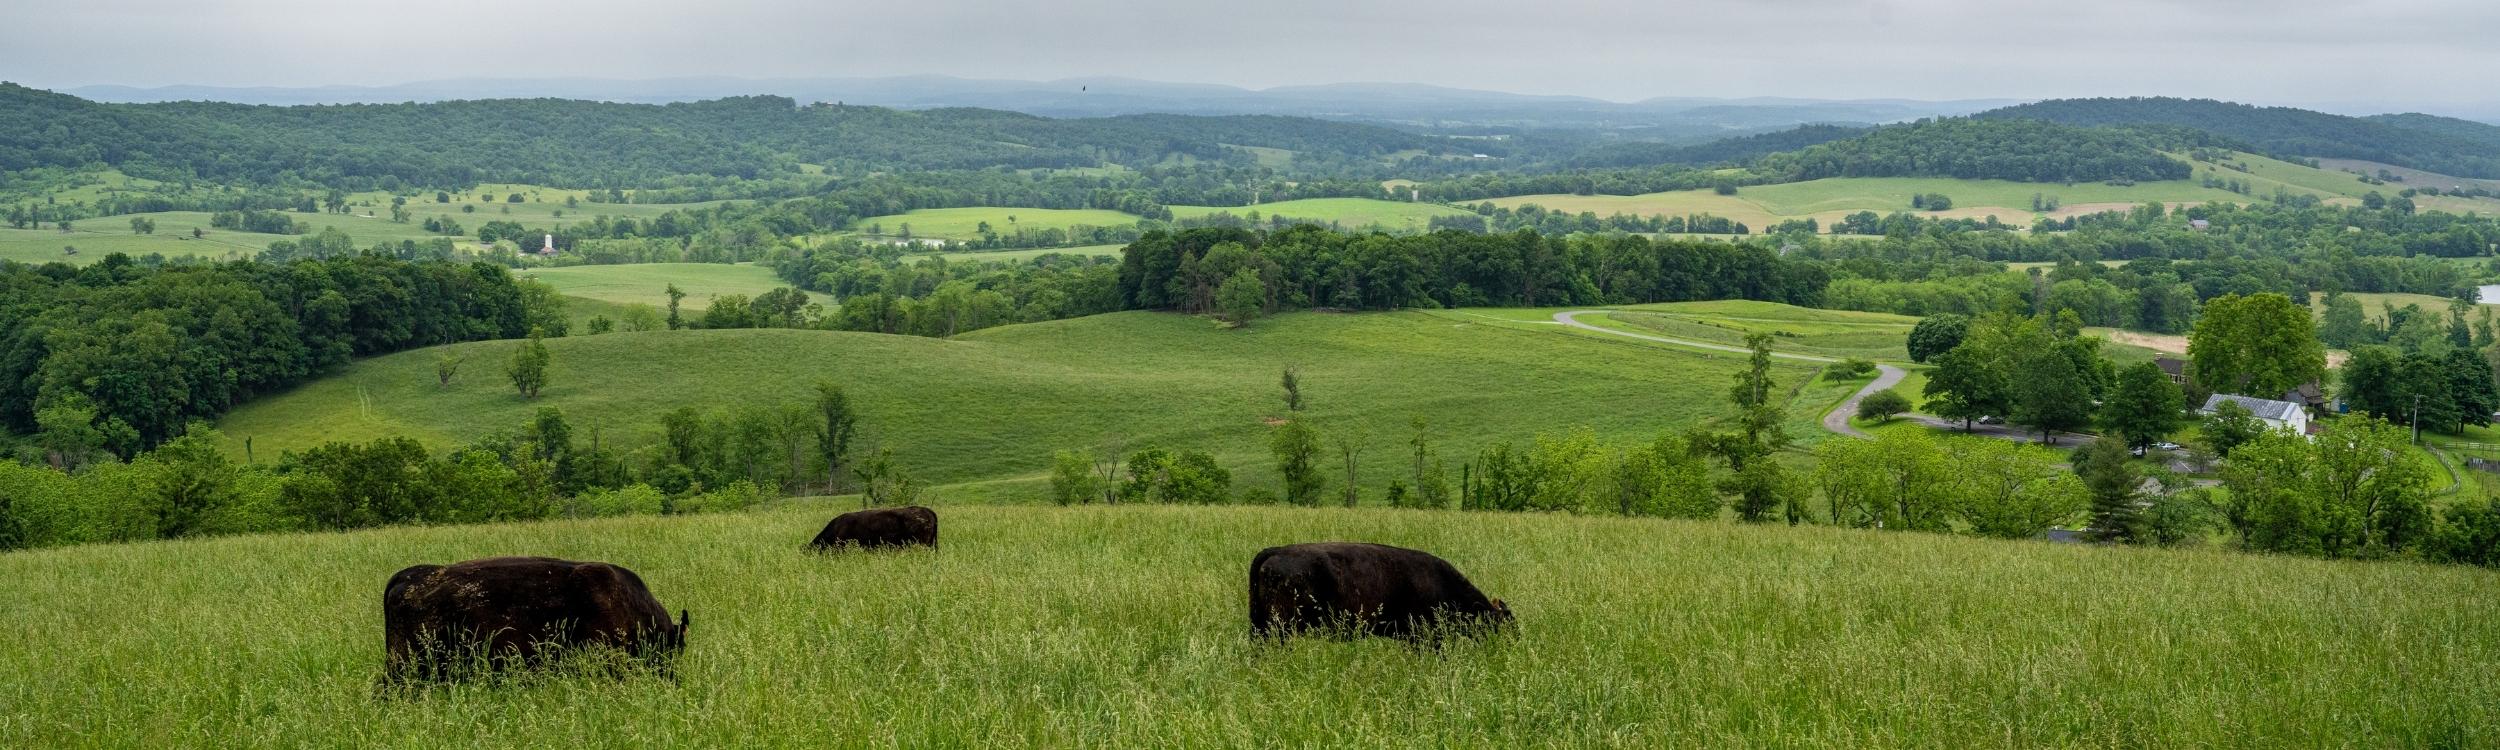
(965, 223)
(368, 223)
(1125, 627)
(647, 283)
(991, 406)
(1350, 213)
(1828, 200)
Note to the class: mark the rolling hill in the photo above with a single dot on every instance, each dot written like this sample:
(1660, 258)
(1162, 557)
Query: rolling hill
(586, 143)
(1829, 199)
(994, 404)
(2434, 144)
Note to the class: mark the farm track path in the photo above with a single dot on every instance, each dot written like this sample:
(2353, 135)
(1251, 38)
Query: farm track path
(1886, 376)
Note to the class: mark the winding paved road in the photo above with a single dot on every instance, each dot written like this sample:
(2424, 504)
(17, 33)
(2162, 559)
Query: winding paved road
(1886, 376)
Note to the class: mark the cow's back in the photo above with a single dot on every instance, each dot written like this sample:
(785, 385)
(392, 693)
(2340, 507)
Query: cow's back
(1376, 588)
(880, 527)
(514, 608)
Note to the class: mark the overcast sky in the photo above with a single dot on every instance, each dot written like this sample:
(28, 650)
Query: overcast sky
(2269, 51)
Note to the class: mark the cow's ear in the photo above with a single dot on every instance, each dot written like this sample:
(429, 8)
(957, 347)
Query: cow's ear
(684, 618)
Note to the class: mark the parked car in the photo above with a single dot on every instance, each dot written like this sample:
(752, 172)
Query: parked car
(2168, 446)
(1992, 420)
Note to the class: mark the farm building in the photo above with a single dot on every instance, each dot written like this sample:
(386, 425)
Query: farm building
(2277, 415)
(2174, 367)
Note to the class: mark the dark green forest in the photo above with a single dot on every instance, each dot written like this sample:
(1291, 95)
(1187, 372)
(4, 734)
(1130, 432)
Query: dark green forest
(598, 145)
(2435, 144)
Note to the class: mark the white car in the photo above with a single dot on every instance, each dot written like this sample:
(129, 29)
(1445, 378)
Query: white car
(2167, 446)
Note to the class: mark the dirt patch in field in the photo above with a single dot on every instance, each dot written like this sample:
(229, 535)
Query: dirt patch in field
(2171, 343)
(2167, 343)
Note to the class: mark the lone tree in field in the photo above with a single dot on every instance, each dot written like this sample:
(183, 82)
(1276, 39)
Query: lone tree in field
(2112, 482)
(1759, 484)
(445, 367)
(529, 365)
(675, 296)
(1293, 388)
(1350, 448)
(1296, 447)
(836, 425)
(1883, 404)
(1242, 297)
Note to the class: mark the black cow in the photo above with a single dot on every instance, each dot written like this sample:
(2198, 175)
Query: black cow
(1372, 589)
(879, 527)
(438, 621)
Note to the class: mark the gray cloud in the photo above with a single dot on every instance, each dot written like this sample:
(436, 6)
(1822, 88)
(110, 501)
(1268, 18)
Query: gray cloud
(2286, 51)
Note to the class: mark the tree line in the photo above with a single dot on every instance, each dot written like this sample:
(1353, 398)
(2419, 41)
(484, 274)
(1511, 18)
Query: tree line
(141, 351)
(588, 144)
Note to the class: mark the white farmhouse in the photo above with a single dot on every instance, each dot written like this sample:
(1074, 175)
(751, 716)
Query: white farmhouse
(2277, 415)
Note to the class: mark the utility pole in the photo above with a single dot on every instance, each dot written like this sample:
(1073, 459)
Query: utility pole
(2417, 419)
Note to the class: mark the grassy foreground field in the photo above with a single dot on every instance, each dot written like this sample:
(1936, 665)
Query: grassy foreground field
(1126, 627)
(994, 404)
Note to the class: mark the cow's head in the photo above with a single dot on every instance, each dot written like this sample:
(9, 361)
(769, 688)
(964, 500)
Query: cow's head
(1501, 611)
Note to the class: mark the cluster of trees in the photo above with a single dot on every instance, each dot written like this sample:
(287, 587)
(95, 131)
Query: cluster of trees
(1536, 218)
(256, 220)
(1997, 149)
(2041, 374)
(2445, 392)
(142, 351)
(1908, 480)
(189, 486)
(1241, 274)
(1936, 272)
(1305, 267)
(880, 291)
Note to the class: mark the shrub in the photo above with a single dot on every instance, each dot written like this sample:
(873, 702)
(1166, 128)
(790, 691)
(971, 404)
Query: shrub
(636, 500)
(738, 495)
(1883, 404)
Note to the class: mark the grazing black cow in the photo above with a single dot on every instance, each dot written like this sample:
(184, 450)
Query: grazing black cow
(440, 620)
(1369, 589)
(879, 527)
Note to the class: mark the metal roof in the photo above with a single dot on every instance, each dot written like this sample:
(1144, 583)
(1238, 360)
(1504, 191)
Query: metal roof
(2264, 408)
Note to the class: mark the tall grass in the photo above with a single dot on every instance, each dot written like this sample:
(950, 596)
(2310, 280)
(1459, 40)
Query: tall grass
(1127, 627)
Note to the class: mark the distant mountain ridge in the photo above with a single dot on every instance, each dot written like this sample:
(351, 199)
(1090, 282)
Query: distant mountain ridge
(1407, 104)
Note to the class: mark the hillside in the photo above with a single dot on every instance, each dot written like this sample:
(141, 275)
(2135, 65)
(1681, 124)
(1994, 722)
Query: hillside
(585, 143)
(994, 404)
(2018, 150)
(1827, 200)
(2284, 131)
(1124, 627)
